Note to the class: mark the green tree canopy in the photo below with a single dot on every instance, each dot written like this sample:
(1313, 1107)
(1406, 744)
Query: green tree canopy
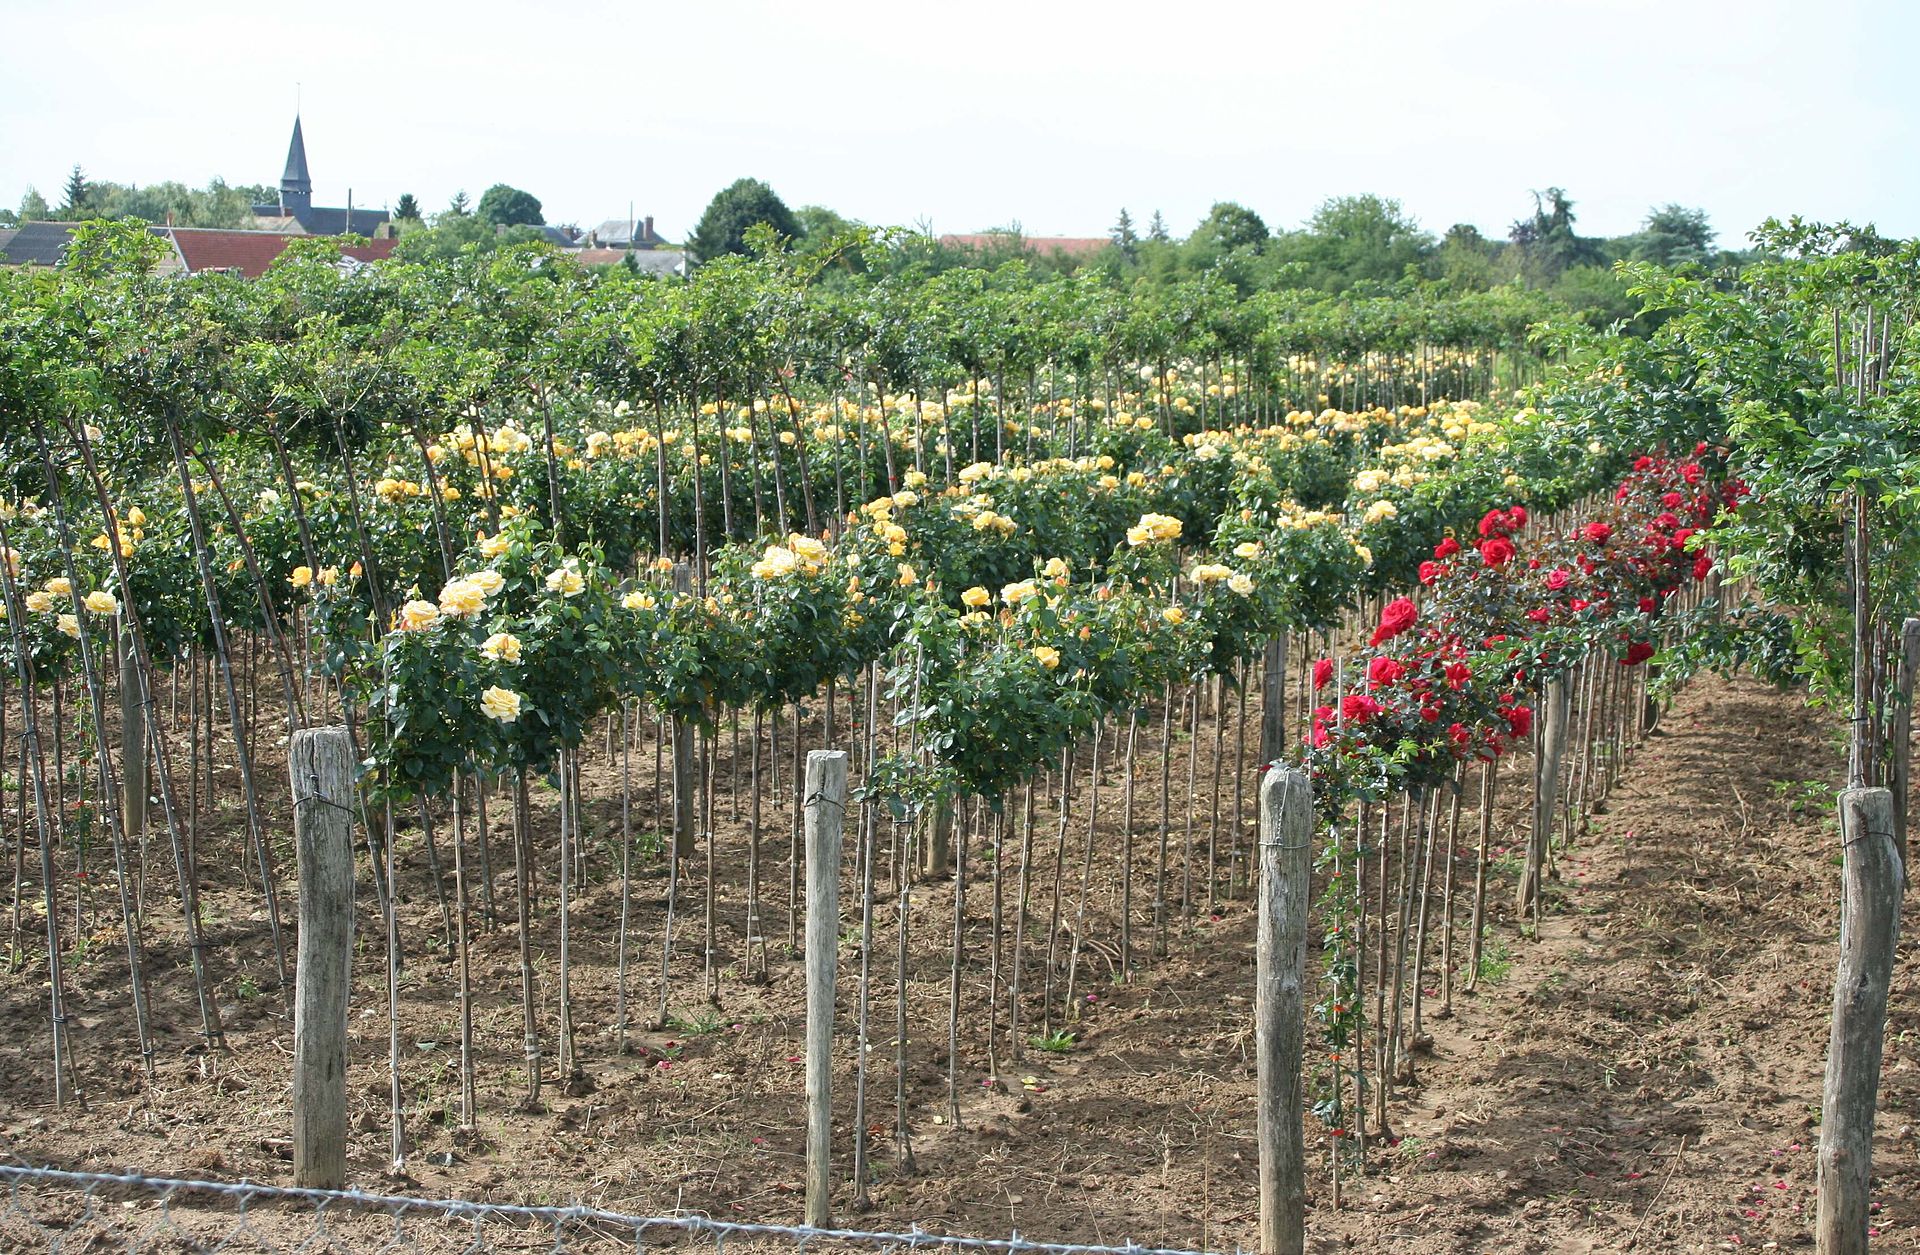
(504, 206)
(407, 207)
(738, 206)
(1355, 239)
(1673, 235)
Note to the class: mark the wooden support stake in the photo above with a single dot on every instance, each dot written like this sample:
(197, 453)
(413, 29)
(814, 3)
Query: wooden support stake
(321, 766)
(1901, 734)
(1286, 865)
(1871, 886)
(1273, 700)
(826, 808)
(685, 813)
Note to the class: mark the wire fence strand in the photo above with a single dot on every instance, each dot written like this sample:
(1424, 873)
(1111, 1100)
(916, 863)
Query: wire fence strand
(57, 1210)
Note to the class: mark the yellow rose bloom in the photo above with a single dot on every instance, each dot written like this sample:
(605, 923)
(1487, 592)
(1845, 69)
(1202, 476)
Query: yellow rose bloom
(1241, 583)
(501, 704)
(493, 546)
(1247, 549)
(489, 581)
(329, 576)
(1014, 594)
(40, 601)
(566, 581)
(1055, 568)
(908, 576)
(638, 601)
(1049, 656)
(501, 647)
(462, 597)
(975, 597)
(778, 561)
(1211, 573)
(70, 624)
(1174, 615)
(60, 586)
(417, 614)
(301, 577)
(103, 602)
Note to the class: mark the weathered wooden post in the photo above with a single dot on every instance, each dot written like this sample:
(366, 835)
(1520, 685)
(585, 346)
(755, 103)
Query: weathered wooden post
(1872, 882)
(320, 763)
(1286, 865)
(1273, 700)
(826, 809)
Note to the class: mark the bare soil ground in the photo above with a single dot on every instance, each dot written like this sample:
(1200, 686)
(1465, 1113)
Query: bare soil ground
(1643, 1075)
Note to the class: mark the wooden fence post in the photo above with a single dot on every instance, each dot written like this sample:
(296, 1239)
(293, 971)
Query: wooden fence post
(1871, 885)
(826, 809)
(1273, 700)
(320, 763)
(1286, 866)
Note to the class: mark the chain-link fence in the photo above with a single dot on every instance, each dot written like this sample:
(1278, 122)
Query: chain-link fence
(47, 1209)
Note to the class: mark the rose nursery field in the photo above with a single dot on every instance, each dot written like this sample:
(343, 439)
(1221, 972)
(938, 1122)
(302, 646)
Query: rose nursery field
(1560, 683)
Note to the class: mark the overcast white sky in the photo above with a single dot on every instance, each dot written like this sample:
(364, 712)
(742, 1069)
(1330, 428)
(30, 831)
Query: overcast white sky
(969, 116)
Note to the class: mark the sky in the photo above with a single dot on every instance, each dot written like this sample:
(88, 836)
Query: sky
(1052, 116)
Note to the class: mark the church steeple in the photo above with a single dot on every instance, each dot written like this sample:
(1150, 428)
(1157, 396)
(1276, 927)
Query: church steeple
(296, 186)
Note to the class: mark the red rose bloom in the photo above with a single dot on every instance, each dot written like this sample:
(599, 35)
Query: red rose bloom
(1446, 549)
(1539, 614)
(1496, 551)
(1701, 566)
(1637, 653)
(1578, 604)
(1597, 532)
(1494, 523)
(1699, 448)
(1557, 579)
(1397, 617)
(1322, 672)
(1648, 605)
(1519, 720)
(1429, 572)
(1383, 671)
(1517, 515)
(1643, 463)
(1691, 472)
(1458, 673)
(1358, 707)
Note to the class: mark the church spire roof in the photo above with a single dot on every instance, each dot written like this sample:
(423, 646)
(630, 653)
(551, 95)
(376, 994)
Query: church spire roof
(296, 178)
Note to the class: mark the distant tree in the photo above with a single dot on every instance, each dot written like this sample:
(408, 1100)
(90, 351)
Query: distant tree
(1157, 229)
(33, 207)
(1547, 243)
(1228, 226)
(215, 205)
(77, 195)
(1354, 239)
(1671, 235)
(453, 234)
(504, 206)
(407, 208)
(723, 227)
(1124, 237)
(457, 207)
(1466, 260)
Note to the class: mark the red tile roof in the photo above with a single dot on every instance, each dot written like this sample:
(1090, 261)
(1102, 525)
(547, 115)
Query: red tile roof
(249, 253)
(1071, 245)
